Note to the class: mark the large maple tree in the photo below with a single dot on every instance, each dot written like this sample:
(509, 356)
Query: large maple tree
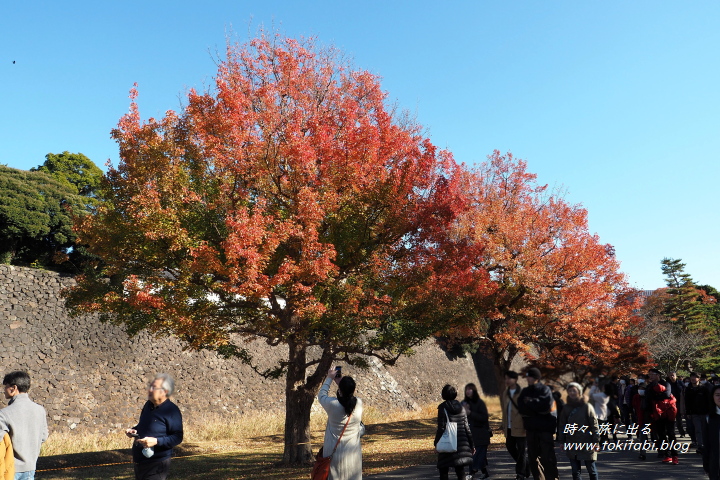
(557, 296)
(289, 203)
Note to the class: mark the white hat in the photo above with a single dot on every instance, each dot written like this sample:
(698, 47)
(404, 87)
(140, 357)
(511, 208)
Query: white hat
(576, 385)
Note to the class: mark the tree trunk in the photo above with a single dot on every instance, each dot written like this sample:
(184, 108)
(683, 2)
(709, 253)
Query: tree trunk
(501, 365)
(499, 371)
(299, 398)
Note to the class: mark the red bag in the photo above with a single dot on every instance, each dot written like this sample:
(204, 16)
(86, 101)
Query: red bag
(321, 467)
(666, 408)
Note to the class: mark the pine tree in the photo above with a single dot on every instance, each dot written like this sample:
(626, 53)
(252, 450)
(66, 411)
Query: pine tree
(694, 309)
(683, 304)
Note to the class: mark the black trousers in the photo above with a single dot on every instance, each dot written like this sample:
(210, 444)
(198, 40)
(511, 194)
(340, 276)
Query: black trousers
(459, 471)
(541, 455)
(664, 429)
(679, 423)
(152, 471)
(516, 448)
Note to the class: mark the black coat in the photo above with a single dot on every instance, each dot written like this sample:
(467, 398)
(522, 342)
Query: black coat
(465, 445)
(535, 403)
(697, 400)
(711, 452)
(479, 421)
(677, 388)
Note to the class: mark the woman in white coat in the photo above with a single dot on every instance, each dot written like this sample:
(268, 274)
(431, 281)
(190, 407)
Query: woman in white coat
(344, 412)
(600, 400)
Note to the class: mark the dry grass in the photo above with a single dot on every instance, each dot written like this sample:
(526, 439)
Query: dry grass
(212, 430)
(244, 429)
(64, 443)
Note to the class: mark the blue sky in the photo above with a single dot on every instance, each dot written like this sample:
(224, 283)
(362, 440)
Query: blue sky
(615, 102)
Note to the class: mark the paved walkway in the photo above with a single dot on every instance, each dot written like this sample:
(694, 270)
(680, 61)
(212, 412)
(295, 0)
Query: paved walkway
(611, 466)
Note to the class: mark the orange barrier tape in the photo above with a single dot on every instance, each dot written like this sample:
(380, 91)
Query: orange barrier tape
(130, 463)
(84, 466)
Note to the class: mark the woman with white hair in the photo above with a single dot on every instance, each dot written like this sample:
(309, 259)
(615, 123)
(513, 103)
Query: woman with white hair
(578, 432)
(159, 429)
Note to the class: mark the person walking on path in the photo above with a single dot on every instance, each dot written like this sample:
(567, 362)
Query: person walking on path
(614, 416)
(697, 407)
(600, 400)
(711, 453)
(512, 425)
(452, 410)
(479, 421)
(677, 388)
(638, 401)
(536, 404)
(661, 408)
(159, 429)
(624, 401)
(25, 421)
(344, 423)
(578, 430)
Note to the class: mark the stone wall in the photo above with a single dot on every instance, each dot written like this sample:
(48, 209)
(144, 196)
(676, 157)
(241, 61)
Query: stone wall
(91, 376)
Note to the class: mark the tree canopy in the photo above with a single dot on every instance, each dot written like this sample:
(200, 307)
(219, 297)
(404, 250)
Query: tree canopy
(557, 296)
(36, 218)
(73, 169)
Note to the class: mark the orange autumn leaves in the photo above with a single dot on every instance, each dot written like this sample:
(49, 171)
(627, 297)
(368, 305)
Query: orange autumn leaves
(558, 296)
(290, 203)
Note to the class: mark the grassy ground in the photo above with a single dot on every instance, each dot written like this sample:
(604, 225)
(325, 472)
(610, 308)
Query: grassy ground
(250, 448)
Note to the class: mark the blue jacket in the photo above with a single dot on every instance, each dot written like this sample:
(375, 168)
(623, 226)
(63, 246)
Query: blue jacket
(163, 422)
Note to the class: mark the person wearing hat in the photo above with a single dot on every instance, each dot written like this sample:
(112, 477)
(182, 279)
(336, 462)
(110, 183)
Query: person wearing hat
(536, 404)
(578, 426)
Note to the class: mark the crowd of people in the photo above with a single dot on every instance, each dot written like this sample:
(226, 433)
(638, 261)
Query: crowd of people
(650, 411)
(647, 410)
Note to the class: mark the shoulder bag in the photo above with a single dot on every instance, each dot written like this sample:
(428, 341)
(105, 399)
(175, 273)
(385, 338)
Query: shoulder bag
(448, 441)
(321, 468)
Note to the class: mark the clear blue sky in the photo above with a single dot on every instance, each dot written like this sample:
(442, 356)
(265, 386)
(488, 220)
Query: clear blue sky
(617, 102)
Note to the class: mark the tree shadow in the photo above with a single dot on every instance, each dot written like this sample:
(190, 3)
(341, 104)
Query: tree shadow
(485, 370)
(76, 460)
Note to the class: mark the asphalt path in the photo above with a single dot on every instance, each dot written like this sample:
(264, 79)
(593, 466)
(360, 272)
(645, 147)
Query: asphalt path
(615, 465)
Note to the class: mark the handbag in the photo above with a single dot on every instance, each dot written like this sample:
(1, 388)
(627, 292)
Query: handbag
(321, 467)
(448, 441)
